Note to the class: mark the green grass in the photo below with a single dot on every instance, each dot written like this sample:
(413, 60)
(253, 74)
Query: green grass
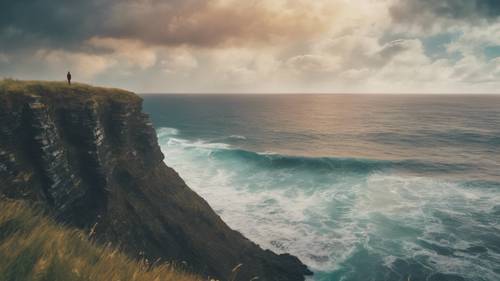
(61, 90)
(35, 248)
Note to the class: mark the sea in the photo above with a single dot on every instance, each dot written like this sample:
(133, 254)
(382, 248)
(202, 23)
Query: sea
(359, 187)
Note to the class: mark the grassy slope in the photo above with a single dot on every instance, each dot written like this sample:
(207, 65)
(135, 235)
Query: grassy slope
(34, 247)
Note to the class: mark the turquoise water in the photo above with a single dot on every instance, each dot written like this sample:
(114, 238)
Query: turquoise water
(359, 187)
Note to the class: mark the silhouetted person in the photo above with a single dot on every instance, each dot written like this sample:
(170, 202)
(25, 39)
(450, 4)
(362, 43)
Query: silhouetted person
(69, 78)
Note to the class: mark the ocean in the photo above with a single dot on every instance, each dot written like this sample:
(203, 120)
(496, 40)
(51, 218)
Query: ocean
(359, 187)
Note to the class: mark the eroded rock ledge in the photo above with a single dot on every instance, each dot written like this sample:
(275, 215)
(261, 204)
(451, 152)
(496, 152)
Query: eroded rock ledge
(91, 157)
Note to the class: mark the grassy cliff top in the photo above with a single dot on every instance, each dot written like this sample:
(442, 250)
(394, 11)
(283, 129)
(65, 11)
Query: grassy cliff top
(62, 91)
(35, 248)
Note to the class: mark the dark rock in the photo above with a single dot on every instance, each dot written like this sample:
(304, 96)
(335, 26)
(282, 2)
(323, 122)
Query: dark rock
(91, 156)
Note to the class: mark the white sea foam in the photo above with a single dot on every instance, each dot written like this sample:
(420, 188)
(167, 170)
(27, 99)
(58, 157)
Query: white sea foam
(167, 132)
(237, 137)
(326, 219)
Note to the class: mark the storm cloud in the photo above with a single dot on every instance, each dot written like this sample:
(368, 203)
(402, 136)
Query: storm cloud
(256, 45)
(49, 22)
(202, 23)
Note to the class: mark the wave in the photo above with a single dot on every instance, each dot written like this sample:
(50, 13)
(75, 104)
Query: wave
(229, 139)
(271, 160)
(341, 213)
(167, 132)
(237, 137)
(333, 164)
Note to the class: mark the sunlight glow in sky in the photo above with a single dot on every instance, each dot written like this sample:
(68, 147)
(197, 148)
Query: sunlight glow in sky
(298, 46)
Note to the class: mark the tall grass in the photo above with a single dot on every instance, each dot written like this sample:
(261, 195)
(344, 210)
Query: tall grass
(35, 248)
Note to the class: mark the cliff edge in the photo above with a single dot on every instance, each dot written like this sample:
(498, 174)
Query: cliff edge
(91, 157)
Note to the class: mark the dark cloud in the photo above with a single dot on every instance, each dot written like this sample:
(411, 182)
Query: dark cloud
(49, 23)
(68, 23)
(425, 11)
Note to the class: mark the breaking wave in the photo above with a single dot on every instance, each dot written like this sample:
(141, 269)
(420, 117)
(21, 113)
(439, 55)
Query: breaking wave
(349, 218)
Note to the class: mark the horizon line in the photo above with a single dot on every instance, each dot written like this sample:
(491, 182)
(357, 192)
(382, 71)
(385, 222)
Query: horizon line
(310, 93)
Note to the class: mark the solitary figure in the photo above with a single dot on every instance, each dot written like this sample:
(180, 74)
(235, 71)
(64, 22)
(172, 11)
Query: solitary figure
(69, 78)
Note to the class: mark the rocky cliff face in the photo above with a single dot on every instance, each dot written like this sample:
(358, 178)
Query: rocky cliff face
(91, 157)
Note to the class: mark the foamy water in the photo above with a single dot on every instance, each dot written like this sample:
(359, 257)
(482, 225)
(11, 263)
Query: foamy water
(389, 217)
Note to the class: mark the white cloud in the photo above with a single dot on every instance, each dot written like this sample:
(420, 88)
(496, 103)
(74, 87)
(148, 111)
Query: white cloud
(312, 64)
(285, 46)
(179, 61)
(84, 65)
(131, 52)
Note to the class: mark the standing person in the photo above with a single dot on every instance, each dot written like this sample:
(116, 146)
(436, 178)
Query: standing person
(69, 78)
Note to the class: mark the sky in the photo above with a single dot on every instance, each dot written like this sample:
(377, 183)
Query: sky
(252, 46)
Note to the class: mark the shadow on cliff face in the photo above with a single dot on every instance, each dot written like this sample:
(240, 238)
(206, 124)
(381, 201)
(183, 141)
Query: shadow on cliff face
(91, 157)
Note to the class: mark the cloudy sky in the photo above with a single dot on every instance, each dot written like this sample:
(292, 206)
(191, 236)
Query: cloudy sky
(311, 46)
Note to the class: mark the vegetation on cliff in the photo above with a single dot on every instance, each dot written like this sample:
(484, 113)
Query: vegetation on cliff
(91, 157)
(35, 248)
(77, 92)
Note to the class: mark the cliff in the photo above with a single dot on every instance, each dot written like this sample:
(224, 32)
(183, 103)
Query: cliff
(90, 156)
